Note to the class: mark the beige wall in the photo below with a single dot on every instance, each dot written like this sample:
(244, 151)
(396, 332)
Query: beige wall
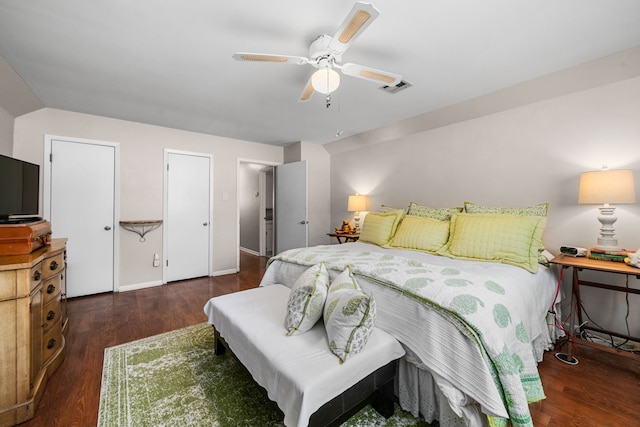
(6, 132)
(517, 157)
(141, 166)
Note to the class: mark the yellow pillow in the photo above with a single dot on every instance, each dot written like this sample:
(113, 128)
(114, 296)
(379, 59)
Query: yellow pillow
(504, 238)
(421, 233)
(379, 227)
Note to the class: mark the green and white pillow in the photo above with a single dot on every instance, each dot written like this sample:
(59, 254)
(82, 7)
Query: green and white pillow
(541, 209)
(442, 214)
(306, 300)
(349, 316)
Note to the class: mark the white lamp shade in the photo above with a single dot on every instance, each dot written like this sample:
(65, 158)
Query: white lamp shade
(607, 187)
(357, 203)
(325, 80)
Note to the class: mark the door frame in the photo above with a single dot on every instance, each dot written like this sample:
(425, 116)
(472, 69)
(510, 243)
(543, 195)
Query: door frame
(262, 187)
(46, 192)
(262, 201)
(165, 209)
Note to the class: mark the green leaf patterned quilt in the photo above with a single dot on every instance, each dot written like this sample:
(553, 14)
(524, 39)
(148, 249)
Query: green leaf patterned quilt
(478, 306)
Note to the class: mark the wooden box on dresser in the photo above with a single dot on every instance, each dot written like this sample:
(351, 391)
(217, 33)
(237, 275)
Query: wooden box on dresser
(33, 320)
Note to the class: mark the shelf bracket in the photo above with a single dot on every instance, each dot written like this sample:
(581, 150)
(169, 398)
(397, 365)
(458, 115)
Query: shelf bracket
(141, 227)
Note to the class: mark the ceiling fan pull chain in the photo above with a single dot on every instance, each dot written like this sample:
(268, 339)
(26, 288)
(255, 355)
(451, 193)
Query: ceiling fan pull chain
(328, 100)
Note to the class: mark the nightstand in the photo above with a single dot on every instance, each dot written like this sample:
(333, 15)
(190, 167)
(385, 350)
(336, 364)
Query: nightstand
(582, 263)
(353, 237)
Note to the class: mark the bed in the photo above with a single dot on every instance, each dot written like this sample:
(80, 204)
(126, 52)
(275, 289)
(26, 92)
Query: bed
(471, 311)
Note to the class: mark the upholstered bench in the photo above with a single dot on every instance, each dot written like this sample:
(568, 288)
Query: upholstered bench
(299, 372)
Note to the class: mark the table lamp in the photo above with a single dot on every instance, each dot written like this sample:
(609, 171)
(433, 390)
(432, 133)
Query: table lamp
(606, 187)
(357, 203)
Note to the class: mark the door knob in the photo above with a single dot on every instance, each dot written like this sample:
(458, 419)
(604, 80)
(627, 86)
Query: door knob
(205, 223)
(304, 222)
(106, 227)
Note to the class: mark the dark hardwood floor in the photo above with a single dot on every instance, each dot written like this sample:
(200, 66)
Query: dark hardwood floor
(602, 390)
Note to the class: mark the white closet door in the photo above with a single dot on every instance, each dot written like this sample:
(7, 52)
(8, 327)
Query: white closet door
(188, 215)
(82, 208)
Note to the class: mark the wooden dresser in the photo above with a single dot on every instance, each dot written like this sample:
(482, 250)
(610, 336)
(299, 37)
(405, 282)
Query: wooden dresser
(33, 320)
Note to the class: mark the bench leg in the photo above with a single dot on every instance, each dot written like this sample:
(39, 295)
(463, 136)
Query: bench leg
(383, 401)
(218, 346)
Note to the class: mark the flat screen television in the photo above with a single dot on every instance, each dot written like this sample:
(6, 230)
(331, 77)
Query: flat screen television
(19, 190)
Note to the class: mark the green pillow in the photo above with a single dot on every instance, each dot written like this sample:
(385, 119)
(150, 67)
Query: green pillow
(379, 227)
(504, 238)
(443, 214)
(541, 209)
(349, 316)
(306, 299)
(421, 233)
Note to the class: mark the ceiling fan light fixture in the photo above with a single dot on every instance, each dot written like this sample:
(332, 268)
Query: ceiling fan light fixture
(325, 80)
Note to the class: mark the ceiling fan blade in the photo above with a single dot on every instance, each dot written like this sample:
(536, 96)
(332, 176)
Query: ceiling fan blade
(267, 57)
(307, 92)
(360, 17)
(371, 74)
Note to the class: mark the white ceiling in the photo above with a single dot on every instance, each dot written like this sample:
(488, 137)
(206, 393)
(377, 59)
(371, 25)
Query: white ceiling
(168, 62)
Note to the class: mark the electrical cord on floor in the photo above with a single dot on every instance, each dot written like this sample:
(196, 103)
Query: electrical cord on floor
(586, 336)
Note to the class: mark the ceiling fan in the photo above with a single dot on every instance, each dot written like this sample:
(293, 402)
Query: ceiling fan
(325, 54)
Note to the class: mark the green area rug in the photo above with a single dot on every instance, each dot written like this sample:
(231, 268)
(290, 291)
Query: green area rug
(175, 379)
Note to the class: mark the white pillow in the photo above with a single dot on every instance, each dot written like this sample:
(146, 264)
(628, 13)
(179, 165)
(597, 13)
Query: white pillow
(306, 300)
(349, 316)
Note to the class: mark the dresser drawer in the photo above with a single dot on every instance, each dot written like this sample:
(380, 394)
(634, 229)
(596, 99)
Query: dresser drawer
(53, 265)
(52, 342)
(35, 276)
(51, 288)
(51, 314)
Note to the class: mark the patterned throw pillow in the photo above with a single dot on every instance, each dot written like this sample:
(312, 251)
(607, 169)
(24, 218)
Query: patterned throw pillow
(349, 316)
(306, 300)
(442, 214)
(537, 210)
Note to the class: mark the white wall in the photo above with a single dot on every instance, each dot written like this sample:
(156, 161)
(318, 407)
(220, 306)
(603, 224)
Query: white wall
(141, 165)
(518, 157)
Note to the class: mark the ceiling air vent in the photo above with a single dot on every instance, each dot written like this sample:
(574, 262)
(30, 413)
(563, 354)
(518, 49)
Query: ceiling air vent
(397, 88)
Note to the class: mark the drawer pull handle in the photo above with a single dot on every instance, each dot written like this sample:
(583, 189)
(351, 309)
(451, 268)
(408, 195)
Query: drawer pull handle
(51, 289)
(50, 315)
(51, 344)
(53, 265)
(37, 275)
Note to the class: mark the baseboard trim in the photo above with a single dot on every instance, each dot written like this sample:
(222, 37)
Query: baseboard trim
(136, 286)
(223, 272)
(251, 251)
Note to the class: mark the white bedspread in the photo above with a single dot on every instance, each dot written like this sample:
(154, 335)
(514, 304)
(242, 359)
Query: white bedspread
(441, 347)
(299, 372)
